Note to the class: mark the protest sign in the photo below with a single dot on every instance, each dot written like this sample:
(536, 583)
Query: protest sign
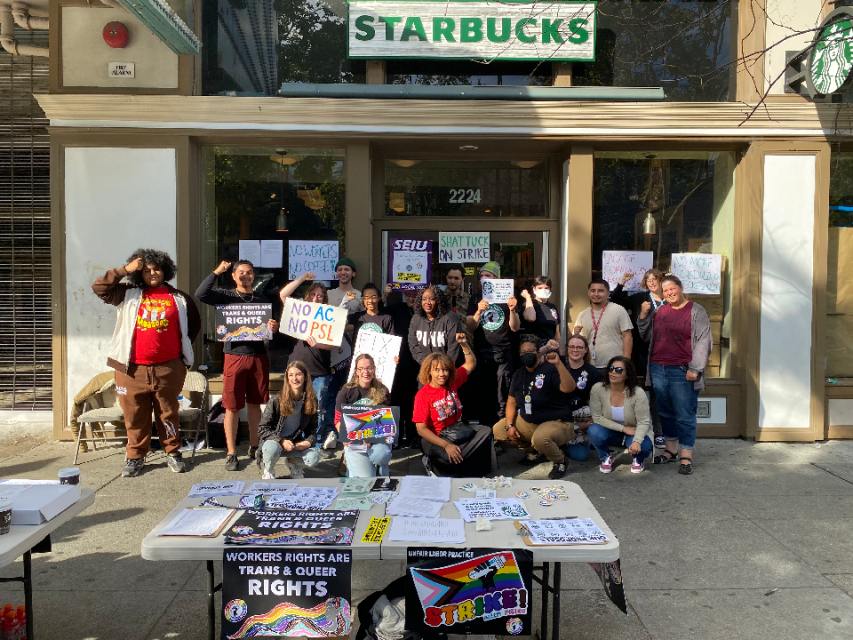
(464, 246)
(286, 593)
(497, 291)
(370, 423)
(698, 272)
(469, 591)
(341, 356)
(410, 264)
(323, 322)
(297, 527)
(243, 321)
(384, 348)
(317, 256)
(610, 574)
(614, 264)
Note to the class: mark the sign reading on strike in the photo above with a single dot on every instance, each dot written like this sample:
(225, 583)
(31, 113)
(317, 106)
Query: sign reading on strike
(323, 322)
(698, 272)
(464, 246)
(615, 264)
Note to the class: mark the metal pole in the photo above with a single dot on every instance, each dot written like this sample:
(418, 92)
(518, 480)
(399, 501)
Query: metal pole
(28, 592)
(211, 604)
(546, 578)
(555, 614)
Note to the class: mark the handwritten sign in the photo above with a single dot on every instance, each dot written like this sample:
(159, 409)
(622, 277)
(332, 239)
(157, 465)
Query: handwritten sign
(497, 291)
(614, 264)
(243, 322)
(323, 322)
(318, 257)
(464, 246)
(411, 261)
(698, 272)
(384, 348)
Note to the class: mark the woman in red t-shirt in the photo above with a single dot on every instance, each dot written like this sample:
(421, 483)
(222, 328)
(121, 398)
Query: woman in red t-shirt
(451, 448)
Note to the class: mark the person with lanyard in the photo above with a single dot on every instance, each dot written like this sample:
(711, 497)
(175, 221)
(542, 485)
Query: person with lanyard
(246, 367)
(363, 459)
(585, 376)
(493, 326)
(536, 409)
(651, 292)
(451, 448)
(151, 350)
(679, 337)
(607, 327)
(541, 317)
(620, 416)
(371, 319)
(289, 425)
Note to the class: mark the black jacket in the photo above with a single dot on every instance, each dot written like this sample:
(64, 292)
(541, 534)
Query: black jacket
(633, 304)
(427, 337)
(272, 421)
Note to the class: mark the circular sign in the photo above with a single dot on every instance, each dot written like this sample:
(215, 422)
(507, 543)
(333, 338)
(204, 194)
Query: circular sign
(236, 610)
(831, 60)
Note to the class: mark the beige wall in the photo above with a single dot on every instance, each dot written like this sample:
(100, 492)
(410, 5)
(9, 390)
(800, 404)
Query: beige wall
(85, 55)
(785, 18)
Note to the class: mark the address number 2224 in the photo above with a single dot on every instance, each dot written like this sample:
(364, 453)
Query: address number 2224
(465, 196)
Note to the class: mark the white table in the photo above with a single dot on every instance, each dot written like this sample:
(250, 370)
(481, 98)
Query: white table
(22, 539)
(502, 536)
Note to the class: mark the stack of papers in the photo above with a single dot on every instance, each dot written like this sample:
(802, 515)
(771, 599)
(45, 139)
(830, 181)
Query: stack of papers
(278, 488)
(425, 487)
(415, 507)
(570, 531)
(207, 489)
(451, 531)
(204, 523)
(303, 499)
(491, 508)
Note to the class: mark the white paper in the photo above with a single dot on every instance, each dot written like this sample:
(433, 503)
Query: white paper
(206, 489)
(426, 487)
(362, 503)
(317, 256)
(485, 493)
(279, 488)
(491, 508)
(9, 491)
(315, 492)
(410, 267)
(447, 530)
(272, 254)
(497, 291)
(29, 483)
(464, 246)
(574, 531)
(698, 272)
(616, 263)
(250, 250)
(297, 504)
(197, 522)
(383, 497)
(384, 348)
(414, 507)
(325, 323)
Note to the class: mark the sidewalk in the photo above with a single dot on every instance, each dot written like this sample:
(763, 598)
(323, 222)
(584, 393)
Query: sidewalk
(757, 544)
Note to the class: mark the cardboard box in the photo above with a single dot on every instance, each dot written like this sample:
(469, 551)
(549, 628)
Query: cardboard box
(41, 503)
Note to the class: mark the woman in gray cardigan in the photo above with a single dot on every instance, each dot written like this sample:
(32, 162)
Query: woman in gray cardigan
(679, 337)
(620, 412)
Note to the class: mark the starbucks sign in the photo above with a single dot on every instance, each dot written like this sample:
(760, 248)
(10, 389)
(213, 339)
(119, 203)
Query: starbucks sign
(830, 62)
(462, 29)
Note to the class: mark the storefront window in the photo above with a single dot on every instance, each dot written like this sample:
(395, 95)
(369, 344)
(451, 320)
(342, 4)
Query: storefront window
(250, 47)
(464, 72)
(686, 47)
(268, 194)
(492, 189)
(839, 289)
(690, 197)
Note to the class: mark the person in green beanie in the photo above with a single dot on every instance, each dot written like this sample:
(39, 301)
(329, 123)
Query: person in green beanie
(345, 271)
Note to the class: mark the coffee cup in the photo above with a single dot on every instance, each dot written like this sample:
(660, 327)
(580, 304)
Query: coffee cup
(5, 515)
(69, 475)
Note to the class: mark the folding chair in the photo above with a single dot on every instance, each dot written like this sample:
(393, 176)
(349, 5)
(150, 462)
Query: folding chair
(195, 388)
(99, 409)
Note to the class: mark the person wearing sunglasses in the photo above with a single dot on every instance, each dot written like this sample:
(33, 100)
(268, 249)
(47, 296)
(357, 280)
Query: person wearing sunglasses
(620, 414)
(679, 337)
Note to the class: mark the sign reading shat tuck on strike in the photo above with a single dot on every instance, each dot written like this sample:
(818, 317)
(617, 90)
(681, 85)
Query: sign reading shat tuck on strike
(491, 30)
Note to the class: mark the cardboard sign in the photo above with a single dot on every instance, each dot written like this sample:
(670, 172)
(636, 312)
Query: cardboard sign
(323, 322)
(469, 591)
(464, 246)
(411, 264)
(384, 348)
(698, 272)
(616, 263)
(317, 256)
(497, 291)
(243, 321)
(366, 423)
(272, 527)
(286, 593)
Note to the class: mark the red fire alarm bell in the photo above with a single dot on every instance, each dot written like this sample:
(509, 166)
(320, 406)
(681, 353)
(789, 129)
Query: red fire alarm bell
(116, 35)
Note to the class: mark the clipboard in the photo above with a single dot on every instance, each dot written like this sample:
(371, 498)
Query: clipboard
(524, 533)
(218, 531)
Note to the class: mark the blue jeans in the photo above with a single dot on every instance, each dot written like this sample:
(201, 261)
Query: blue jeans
(326, 409)
(363, 465)
(272, 451)
(601, 438)
(677, 403)
(579, 452)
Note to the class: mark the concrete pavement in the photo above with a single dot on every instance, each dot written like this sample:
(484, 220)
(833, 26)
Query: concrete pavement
(757, 544)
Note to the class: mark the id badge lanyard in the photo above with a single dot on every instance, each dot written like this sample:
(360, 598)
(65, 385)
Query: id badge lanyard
(595, 326)
(656, 305)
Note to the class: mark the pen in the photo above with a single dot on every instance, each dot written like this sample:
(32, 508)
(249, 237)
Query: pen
(558, 518)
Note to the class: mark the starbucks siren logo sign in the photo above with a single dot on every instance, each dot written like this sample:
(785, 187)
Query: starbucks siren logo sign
(832, 58)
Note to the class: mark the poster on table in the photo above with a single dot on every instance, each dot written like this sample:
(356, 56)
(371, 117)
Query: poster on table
(469, 591)
(384, 348)
(286, 593)
(497, 291)
(698, 272)
(243, 321)
(281, 528)
(370, 423)
(410, 264)
(464, 246)
(325, 323)
(615, 264)
(610, 574)
(317, 256)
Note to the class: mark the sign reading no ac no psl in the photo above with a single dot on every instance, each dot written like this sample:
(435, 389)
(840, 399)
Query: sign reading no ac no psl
(465, 29)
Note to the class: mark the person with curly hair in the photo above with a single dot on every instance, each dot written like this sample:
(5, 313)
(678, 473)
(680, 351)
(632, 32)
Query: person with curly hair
(434, 327)
(151, 350)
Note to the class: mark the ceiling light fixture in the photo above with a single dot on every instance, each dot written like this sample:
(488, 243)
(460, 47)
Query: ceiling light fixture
(281, 157)
(468, 147)
(281, 221)
(397, 202)
(526, 164)
(406, 163)
(650, 227)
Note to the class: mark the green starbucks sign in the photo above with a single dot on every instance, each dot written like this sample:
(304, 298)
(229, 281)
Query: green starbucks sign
(829, 64)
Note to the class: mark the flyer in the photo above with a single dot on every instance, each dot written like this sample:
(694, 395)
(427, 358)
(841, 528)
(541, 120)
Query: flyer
(469, 591)
(491, 508)
(268, 592)
(273, 527)
(243, 321)
(410, 264)
(497, 291)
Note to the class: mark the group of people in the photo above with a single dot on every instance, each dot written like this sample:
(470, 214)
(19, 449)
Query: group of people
(466, 364)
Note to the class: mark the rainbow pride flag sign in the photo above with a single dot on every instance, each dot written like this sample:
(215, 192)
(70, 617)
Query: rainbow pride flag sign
(370, 423)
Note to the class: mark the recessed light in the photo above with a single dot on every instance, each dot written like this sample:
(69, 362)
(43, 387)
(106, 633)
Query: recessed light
(468, 147)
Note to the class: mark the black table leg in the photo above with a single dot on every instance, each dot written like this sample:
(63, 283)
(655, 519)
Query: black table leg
(546, 579)
(211, 602)
(555, 602)
(28, 592)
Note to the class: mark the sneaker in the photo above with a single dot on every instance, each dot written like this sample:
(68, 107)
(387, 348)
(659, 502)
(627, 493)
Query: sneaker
(660, 442)
(268, 476)
(331, 441)
(558, 470)
(531, 459)
(176, 463)
(231, 463)
(253, 451)
(637, 466)
(132, 468)
(428, 466)
(295, 472)
(606, 465)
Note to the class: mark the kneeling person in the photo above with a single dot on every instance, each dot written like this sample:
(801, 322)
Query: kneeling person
(289, 425)
(538, 415)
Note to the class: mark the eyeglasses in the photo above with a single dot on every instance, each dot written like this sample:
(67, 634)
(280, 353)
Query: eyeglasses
(571, 348)
(616, 369)
(364, 369)
(370, 298)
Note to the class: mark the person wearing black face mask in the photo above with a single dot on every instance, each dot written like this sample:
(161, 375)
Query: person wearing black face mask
(538, 419)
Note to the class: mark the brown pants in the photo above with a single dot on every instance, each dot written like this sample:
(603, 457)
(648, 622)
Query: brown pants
(146, 388)
(546, 438)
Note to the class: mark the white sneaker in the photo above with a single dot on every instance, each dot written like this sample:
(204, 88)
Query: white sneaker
(268, 476)
(331, 440)
(295, 472)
